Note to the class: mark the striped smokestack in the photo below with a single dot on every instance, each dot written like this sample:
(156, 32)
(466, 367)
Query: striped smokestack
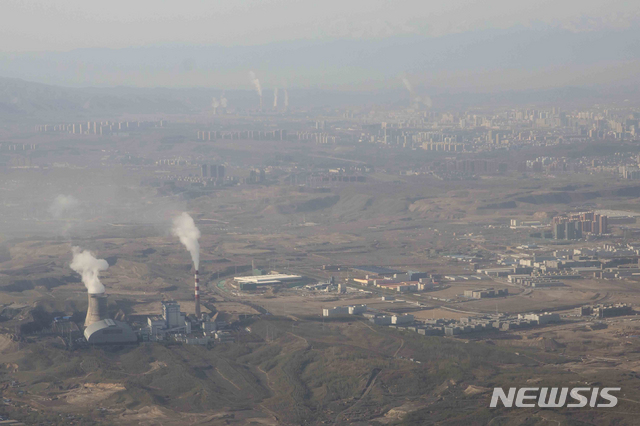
(197, 295)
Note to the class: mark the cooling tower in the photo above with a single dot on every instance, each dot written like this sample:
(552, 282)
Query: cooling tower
(97, 309)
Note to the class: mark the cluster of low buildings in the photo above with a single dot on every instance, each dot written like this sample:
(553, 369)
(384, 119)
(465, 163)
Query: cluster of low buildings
(378, 319)
(450, 327)
(401, 282)
(552, 269)
(447, 327)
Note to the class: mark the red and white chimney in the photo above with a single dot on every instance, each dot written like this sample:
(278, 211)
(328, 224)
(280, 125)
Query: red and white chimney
(197, 295)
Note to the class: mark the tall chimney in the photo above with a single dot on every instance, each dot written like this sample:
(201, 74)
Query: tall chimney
(197, 295)
(97, 309)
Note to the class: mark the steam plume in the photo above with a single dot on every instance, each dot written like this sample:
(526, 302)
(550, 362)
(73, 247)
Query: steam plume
(275, 98)
(185, 229)
(417, 100)
(409, 87)
(256, 83)
(88, 266)
(63, 204)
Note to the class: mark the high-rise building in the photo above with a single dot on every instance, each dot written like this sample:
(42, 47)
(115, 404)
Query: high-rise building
(603, 222)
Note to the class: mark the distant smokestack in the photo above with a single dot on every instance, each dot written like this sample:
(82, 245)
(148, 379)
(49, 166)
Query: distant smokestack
(275, 98)
(185, 229)
(197, 289)
(97, 310)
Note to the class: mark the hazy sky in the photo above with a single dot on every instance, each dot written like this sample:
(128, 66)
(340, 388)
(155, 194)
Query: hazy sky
(60, 25)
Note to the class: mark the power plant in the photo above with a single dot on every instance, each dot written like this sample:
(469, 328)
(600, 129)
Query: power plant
(97, 310)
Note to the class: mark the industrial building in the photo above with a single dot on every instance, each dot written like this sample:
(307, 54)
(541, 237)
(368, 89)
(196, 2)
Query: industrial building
(335, 311)
(402, 319)
(269, 279)
(357, 309)
(344, 310)
(607, 311)
(485, 292)
(604, 311)
(108, 331)
(172, 320)
(540, 319)
(175, 322)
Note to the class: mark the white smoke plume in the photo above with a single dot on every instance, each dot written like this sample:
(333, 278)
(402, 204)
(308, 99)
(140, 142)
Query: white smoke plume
(223, 100)
(275, 98)
(89, 267)
(63, 204)
(256, 83)
(409, 87)
(215, 103)
(417, 100)
(185, 229)
(286, 98)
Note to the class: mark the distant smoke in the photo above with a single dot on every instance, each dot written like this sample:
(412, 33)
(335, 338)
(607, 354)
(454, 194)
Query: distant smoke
(256, 83)
(286, 98)
(417, 100)
(185, 229)
(215, 103)
(275, 98)
(63, 204)
(88, 266)
(223, 100)
(409, 87)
